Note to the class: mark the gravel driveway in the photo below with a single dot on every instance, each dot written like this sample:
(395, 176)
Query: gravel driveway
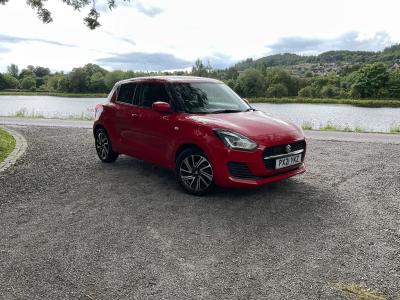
(75, 228)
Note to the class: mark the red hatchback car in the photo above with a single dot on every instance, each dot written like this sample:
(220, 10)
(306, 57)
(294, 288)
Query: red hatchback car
(200, 128)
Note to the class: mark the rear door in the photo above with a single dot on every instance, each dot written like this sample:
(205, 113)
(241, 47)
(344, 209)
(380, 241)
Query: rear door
(127, 117)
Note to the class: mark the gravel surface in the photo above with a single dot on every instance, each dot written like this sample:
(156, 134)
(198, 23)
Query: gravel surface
(75, 228)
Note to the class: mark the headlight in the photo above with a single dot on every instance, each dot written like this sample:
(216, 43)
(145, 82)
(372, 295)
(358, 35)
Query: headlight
(235, 140)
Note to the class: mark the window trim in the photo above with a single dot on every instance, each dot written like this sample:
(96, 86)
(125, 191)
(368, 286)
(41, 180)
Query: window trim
(133, 97)
(170, 100)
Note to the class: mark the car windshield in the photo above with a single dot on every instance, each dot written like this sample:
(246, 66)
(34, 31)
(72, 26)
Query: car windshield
(200, 97)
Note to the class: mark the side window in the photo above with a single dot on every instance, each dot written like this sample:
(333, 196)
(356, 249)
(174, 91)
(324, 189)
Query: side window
(153, 92)
(126, 92)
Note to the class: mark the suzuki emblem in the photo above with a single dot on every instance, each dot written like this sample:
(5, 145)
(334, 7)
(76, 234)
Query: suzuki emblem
(288, 148)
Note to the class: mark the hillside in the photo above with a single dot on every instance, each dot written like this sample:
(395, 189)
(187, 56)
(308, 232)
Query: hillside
(332, 59)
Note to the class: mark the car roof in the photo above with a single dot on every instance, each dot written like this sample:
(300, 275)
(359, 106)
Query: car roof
(170, 79)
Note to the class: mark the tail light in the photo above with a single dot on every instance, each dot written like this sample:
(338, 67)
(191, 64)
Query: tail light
(98, 110)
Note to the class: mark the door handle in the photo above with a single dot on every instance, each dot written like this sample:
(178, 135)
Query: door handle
(135, 115)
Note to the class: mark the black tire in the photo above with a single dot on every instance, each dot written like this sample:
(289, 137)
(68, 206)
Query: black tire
(103, 146)
(194, 172)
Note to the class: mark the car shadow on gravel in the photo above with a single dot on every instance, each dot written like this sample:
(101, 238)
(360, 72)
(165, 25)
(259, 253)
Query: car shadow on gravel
(157, 181)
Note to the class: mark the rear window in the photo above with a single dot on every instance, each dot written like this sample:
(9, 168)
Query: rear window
(126, 93)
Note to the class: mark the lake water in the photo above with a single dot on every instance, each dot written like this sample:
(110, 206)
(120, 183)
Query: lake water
(316, 115)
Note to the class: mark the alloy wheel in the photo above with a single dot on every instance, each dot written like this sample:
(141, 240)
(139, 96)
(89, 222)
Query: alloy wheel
(102, 145)
(196, 172)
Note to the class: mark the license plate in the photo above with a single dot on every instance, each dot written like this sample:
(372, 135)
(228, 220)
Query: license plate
(287, 161)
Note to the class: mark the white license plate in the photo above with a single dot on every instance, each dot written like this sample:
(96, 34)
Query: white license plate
(287, 161)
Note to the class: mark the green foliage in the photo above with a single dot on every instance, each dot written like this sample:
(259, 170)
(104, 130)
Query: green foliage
(370, 81)
(29, 83)
(91, 20)
(25, 73)
(199, 69)
(277, 90)
(13, 70)
(97, 83)
(7, 144)
(394, 84)
(251, 83)
(41, 71)
(329, 91)
(112, 77)
(306, 92)
(78, 80)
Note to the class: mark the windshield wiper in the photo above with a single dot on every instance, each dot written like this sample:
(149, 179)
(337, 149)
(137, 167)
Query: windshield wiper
(250, 109)
(222, 111)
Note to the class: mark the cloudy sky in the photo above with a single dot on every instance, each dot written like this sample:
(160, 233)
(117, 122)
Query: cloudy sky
(171, 34)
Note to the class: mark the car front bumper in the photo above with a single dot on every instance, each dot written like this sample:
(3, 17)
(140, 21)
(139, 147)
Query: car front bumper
(234, 168)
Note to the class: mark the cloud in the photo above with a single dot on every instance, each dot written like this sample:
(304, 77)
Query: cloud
(347, 41)
(150, 11)
(144, 61)
(3, 49)
(15, 39)
(219, 60)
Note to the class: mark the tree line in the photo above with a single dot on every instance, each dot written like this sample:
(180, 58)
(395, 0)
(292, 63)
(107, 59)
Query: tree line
(376, 80)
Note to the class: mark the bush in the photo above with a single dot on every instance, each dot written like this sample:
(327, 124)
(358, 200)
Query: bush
(29, 83)
(329, 91)
(306, 92)
(277, 90)
(7, 81)
(251, 83)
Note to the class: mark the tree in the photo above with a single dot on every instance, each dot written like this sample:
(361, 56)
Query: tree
(41, 71)
(306, 92)
(91, 19)
(13, 70)
(78, 80)
(7, 81)
(251, 83)
(329, 91)
(370, 81)
(275, 76)
(199, 69)
(112, 77)
(394, 84)
(28, 83)
(97, 83)
(25, 73)
(90, 69)
(63, 84)
(277, 90)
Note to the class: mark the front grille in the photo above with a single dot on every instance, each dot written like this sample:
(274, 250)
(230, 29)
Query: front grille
(240, 170)
(281, 149)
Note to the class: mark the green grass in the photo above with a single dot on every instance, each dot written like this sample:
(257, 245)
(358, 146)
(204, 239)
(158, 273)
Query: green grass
(329, 126)
(361, 293)
(355, 102)
(395, 129)
(7, 144)
(54, 94)
(23, 113)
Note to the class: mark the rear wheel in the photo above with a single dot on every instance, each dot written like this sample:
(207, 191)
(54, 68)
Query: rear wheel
(103, 146)
(194, 172)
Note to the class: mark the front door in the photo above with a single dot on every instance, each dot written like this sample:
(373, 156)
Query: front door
(157, 129)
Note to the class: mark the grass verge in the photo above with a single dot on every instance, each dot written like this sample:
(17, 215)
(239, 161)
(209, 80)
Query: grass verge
(7, 144)
(53, 94)
(395, 129)
(355, 102)
(360, 292)
(23, 113)
(333, 127)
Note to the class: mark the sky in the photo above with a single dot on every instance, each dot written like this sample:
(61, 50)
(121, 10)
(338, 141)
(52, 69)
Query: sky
(171, 34)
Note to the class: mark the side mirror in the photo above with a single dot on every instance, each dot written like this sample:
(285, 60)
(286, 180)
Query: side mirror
(162, 107)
